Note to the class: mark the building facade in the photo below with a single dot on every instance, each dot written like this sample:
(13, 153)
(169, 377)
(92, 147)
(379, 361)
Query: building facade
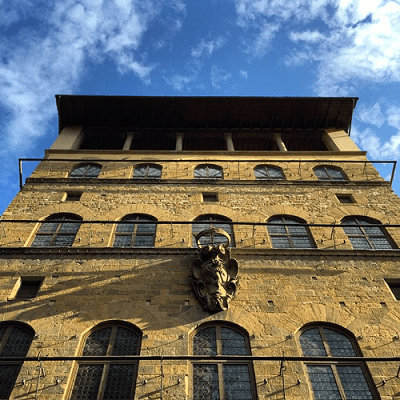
(201, 248)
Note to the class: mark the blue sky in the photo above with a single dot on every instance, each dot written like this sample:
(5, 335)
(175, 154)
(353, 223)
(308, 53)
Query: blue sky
(195, 48)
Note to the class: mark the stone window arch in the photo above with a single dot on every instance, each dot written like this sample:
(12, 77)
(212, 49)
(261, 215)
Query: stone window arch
(363, 236)
(135, 230)
(335, 380)
(15, 341)
(85, 171)
(329, 173)
(216, 379)
(108, 379)
(208, 171)
(147, 171)
(287, 232)
(207, 221)
(57, 230)
(268, 172)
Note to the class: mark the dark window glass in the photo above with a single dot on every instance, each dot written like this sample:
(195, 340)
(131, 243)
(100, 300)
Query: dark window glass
(394, 286)
(208, 171)
(222, 380)
(85, 171)
(289, 233)
(133, 231)
(325, 173)
(205, 222)
(107, 380)
(147, 171)
(337, 381)
(14, 342)
(268, 172)
(363, 236)
(58, 230)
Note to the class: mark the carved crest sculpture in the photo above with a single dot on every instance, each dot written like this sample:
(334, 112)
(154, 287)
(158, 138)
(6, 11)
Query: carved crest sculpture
(214, 273)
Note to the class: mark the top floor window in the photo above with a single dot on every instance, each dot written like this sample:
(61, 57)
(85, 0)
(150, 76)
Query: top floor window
(329, 173)
(57, 230)
(363, 236)
(147, 171)
(136, 230)
(335, 380)
(84, 171)
(208, 171)
(268, 172)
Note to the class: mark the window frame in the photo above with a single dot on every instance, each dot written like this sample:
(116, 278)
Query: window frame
(333, 364)
(146, 175)
(87, 167)
(208, 167)
(106, 364)
(3, 341)
(152, 220)
(61, 218)
(288, 235)
(365, 235)
(221, 363)
(329, 177)
(266, 168)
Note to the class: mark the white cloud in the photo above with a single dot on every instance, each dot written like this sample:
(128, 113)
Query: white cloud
(38, 63)
(219, 75)
(261, 44)
(371, 115)
(244, 74)
(180, 82)
(307, 36)
(206, 48)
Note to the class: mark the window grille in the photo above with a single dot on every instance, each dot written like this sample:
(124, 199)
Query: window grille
(205, 222)
(108, 380)
(147, 171)
(84, 171)
(208, 171)
(289, 234)
(339, 380)
(268, 172)
(363, 236)
(57, 230)
(222, 380)
(328, 173)
(131, 234)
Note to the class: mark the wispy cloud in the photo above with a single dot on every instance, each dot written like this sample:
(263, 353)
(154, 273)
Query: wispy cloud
(219, 75)
(37, 63)
(207, 47)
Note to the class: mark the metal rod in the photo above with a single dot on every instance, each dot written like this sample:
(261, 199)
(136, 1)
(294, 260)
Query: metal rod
(20, 172)
(393, 171)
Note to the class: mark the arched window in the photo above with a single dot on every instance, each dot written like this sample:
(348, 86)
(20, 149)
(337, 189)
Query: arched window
(363, 236)
(208, 171)
(204, 222)
(268, 172)
(147, 171)
(136, 230)
(335, 380)
(84, 171)
(289, 233)
(216, 380)
(15, 340)
(57, 230)
(329, 173)
(106, 379)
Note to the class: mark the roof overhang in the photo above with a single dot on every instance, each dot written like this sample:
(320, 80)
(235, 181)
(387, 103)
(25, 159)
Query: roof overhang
(138, 113)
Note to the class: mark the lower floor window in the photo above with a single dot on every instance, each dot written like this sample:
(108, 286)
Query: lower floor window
(221, 381)
(339, 382)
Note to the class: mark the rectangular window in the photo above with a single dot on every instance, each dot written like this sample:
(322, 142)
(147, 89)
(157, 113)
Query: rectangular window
(29, 288)
(210, 197)
(73, 196)
(345, 198)
(394, 286)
